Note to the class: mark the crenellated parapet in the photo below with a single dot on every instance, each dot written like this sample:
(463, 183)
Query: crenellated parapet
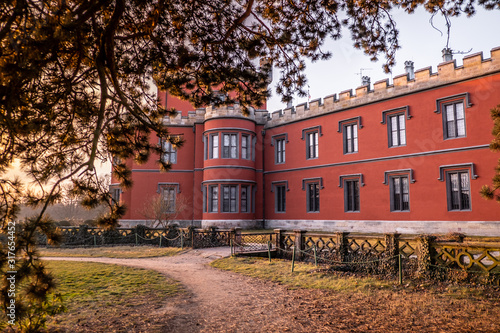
(410, 82)
(200, 115)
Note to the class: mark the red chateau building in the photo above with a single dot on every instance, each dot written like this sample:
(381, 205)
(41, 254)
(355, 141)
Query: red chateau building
(407, 157)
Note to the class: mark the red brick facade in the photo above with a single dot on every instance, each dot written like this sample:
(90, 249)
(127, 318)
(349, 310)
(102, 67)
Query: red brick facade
(410, 157)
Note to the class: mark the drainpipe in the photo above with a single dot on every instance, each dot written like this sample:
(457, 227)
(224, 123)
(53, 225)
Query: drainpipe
(263, 180)
(194, 174)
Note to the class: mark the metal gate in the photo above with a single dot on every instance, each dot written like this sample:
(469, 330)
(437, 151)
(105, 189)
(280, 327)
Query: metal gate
(254, 243)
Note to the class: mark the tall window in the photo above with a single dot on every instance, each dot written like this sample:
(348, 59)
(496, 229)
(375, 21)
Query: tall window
(229, 198)
(168, 194)
(312, 145)
(454, 117)
(169, 153)
(230, 146)
(213, 146)
(312, 197)
(279, 150)
(244, 199)
(213, 199)
(280, 198)
(397, 130)
(350, 138)
(245, 147)
(351, 195)
(400, 193)
(458, 190)
(115, 194)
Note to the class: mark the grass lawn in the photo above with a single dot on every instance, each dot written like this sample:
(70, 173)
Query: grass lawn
(103, 297)
(111, 252)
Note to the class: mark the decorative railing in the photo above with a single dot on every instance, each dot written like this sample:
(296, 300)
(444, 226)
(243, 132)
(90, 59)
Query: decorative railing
(141, 235)
(447, 257)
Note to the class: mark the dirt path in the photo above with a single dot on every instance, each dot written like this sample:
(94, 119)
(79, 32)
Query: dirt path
(219, 301)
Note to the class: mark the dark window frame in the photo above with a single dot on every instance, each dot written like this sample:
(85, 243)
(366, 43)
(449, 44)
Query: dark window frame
(441, 104)
(350, 204)
(312, 186)
(312, 146)
(398, 130)
(458, 203)
(398, 203)
(213, 203)
(227, 202)
(279, 188)
(168, 153)
(451, 128)
(227, 150)
(246, 150)
(213, 150)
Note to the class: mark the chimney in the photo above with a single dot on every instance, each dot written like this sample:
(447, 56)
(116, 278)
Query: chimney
(365, 81)
(409, 69)
(289, 104)
(447, 54)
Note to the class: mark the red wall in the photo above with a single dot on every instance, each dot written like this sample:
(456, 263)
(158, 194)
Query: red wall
(424, 133)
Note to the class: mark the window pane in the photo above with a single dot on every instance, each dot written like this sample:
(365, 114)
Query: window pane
(461, 127)
(459, 107)
(401, 121)
(465, 193)
(225, 199)
(214, 199)
(215, 146)
(450, 114)
(233, 198)
(402, 130)
(450, 126)
(316, 144)
(244, 204)
(352, 195)
(454, 191)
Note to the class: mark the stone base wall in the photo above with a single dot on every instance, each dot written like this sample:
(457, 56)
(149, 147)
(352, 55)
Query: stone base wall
(227, 224)
(149, 223)
(468, 228)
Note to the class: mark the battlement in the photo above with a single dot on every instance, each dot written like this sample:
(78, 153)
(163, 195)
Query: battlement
(200, 115)
(447, 72)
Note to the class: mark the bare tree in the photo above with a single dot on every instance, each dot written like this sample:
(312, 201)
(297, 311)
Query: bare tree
(163, 210)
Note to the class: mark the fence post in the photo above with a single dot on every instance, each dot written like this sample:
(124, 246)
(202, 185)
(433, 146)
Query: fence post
(342, 246)
(277, 232)
(269, 250)
(299, 242)
(425, 253)
(392, 251)
(237, 237)
(193, 231)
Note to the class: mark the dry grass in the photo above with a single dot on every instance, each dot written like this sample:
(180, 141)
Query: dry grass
(111, 252)
(102, 297)
(337, 302)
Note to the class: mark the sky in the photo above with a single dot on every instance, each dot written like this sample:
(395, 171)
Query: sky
(419, 42)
